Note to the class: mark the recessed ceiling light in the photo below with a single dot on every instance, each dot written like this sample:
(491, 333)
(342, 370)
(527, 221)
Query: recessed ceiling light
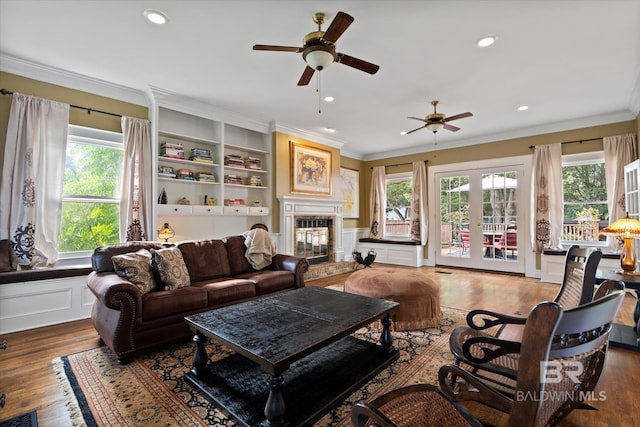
(328, 129)
(329, 99)
(487, 40)
(155, 16)
(523, 108)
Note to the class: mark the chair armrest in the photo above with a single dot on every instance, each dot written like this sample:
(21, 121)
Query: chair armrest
(109, 288)
(471, 388)
(497, 319)
(490, 347)
(362, 411)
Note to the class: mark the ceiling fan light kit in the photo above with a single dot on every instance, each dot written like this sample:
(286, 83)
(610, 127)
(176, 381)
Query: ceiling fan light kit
(319, 48)
(438, 121)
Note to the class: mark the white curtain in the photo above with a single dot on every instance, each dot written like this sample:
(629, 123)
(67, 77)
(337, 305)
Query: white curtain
(32, 179)
(547, 196)
(378, 202)
(136, 201)
(619, 150)
(419, 210)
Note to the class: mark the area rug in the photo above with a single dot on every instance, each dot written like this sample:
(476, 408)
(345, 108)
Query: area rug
(151, 390)
(29, 419)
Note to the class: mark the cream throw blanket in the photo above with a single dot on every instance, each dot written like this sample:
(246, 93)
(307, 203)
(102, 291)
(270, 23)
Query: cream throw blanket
(260, 249)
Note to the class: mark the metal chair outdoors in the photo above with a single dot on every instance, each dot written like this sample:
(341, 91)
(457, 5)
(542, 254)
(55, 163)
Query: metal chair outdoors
(552, 337)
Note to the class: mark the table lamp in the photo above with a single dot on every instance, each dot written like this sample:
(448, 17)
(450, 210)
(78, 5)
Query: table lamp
(166, 232)
(627, 229)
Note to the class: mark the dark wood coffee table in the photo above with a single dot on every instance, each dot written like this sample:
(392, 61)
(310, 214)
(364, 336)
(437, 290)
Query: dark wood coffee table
(305, 333)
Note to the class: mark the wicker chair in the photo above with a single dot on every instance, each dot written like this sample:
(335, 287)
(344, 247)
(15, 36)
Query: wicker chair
(576, 339)
(577, 289)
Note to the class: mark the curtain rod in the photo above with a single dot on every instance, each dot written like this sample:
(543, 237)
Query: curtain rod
(401, 164)
(88, 110)
(576, 141)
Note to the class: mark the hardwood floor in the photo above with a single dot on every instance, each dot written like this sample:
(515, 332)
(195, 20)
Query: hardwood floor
(28, 381)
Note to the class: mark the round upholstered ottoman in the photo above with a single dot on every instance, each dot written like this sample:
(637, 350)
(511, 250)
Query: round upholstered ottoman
(418, 295)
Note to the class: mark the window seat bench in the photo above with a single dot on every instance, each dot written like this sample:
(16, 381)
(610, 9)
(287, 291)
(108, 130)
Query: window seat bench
(552, 264)
(44, 296)
(389, 251)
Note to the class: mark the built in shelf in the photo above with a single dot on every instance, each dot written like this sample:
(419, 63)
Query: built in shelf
(188, 138)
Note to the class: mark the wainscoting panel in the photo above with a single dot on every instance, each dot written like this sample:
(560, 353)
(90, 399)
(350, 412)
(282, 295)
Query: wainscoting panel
(27, 305)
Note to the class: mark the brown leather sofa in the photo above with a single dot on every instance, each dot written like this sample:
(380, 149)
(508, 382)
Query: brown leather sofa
(128, 320)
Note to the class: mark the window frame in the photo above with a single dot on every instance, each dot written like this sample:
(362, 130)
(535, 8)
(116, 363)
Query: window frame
(396, 177)
(577, 159)
(101, 138)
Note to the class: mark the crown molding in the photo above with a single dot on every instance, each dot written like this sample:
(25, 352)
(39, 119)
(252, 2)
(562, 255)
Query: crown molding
(69, 79)
(306, 134)
(583, 122)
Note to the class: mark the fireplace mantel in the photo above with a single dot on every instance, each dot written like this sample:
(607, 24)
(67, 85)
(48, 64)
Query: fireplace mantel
(295, 206)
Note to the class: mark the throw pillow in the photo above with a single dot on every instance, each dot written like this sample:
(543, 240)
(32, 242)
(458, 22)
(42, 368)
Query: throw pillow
(170, 265)
(5, 256)
(136, 267)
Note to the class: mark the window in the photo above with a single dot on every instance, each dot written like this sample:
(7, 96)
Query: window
(585, 197)
(398, 209)
(91, 190)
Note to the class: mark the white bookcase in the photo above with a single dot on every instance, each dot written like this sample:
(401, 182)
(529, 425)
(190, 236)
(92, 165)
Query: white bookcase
(216, 208)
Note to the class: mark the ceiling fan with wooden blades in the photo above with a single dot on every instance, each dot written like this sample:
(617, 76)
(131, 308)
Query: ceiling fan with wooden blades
(436, 121)
(319, 48)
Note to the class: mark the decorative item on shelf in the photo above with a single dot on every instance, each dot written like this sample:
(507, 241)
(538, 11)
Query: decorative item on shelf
(211, 201)
(183, 201)
(171, 149)
(166, 232)
(186, 174)
(626, 229)
(166, 172)
(162, 198)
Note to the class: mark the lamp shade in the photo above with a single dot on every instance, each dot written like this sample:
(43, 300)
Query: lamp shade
(319, 57)
(166, 232)
(623, 227)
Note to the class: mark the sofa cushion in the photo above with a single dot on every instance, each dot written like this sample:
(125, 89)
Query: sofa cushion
(237, 260)
(205, 259)
(5, 256)
(136, 268)
(170, 266)
(160, 304)
(101, 257)
(267, 281)
(224, 290)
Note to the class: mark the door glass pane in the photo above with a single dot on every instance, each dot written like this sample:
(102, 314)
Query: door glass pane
(454, 216)
(499, 216)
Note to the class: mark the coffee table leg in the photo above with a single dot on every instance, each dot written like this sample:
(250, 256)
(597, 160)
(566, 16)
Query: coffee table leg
(385, 337)
(274, 409)
(200, 356)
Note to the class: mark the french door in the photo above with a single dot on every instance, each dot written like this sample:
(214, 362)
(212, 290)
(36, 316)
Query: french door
(481, 221)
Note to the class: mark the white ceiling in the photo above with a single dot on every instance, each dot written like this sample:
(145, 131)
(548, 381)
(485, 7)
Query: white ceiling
(575, 63)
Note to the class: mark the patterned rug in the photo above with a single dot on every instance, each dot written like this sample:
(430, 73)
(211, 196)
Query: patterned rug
(151, 391)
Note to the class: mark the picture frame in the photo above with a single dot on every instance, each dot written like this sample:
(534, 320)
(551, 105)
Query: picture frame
(350, 188)
(310, 169)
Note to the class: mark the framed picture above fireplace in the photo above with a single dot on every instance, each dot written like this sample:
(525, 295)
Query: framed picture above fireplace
(310, 169)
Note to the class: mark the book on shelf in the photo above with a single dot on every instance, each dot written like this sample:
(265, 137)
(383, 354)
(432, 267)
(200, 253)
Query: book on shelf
(234, 202)
(233, 179)
(252, 163)
(205, 177)
(254, 180)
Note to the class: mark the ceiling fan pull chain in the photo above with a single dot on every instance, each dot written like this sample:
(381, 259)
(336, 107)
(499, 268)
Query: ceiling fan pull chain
(318, 91)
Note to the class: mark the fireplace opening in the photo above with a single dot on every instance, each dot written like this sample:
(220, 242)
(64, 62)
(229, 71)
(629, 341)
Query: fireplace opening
(313, 239)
